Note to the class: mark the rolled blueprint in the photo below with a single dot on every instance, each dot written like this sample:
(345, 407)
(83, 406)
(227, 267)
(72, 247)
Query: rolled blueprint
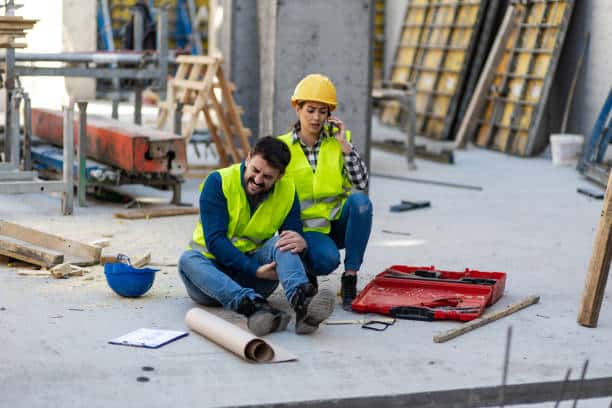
(233, 338)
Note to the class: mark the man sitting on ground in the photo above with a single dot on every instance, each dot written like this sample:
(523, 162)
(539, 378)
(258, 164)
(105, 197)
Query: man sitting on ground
(236, 259)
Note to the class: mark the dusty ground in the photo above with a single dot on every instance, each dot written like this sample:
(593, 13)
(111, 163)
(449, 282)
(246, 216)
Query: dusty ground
(528, 222)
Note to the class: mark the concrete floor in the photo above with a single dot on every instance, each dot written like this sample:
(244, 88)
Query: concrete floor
(528, 222)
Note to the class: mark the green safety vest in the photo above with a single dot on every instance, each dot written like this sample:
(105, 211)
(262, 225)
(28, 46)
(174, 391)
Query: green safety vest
(322, 192)
(247, 232)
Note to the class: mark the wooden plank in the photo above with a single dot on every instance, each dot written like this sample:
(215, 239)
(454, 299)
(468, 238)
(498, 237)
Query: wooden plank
(599, 266)
(198, 59)
(156, 213)
(82, 254)
(30, 253)
(188, 84)
(16, 20)
(485, 319)
(478, 100)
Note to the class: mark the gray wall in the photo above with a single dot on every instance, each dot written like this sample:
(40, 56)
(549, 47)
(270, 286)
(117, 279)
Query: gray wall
(596, 79)
(239, 47)
(332, 37)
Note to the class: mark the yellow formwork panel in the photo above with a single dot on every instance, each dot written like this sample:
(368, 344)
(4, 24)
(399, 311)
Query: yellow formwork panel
(436, 43)
(510, 120)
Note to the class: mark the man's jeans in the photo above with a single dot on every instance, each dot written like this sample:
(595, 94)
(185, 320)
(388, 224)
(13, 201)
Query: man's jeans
(350, 231)
(209, 285)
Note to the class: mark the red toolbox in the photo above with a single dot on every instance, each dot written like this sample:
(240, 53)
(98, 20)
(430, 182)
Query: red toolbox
(426, 293)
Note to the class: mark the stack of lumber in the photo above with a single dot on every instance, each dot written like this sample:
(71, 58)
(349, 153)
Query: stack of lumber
(200, 87)
(13, 28)
(43, 249)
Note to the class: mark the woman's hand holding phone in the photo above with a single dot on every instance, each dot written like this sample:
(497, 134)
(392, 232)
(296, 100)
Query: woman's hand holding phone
(340, 134)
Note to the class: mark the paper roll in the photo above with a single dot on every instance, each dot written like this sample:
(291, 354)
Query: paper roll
(238, 341)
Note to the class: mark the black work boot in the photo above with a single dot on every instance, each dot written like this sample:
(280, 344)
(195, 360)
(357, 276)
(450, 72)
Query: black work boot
(348, 290)
(311, 307)
(313, 279)
(263, 318)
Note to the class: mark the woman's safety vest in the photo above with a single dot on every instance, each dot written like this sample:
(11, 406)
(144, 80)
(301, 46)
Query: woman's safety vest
(322, 192)
(247, 232)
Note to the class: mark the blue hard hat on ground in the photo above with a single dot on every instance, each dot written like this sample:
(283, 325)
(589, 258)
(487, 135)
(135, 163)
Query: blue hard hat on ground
(127, 281)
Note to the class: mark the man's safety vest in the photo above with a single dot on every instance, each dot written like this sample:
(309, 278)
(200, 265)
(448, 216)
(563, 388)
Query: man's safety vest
(247, 232)
(322, 192)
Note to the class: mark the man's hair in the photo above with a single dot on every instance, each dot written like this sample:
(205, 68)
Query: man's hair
(274, 151)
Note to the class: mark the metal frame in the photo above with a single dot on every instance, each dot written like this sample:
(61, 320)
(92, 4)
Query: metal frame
(15, 181)
(405, 97)
(138, 65)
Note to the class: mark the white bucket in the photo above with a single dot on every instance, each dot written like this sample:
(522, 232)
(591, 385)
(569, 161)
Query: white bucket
(566, 149)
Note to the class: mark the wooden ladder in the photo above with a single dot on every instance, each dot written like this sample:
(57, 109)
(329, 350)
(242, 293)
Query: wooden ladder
(200, 86)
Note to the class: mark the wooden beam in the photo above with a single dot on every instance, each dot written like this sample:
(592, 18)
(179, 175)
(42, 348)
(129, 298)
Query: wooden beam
(485, 319)
(479, 97)
(75, 252)
(597, 276)
(29, 253)
(198, 59)
(156, 213)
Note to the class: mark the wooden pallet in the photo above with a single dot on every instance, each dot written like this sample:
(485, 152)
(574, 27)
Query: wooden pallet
(200, 87)
(510, 119)
(435, 50)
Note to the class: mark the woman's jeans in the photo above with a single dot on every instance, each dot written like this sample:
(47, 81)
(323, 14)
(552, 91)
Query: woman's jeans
(351, 231)
(208, 284)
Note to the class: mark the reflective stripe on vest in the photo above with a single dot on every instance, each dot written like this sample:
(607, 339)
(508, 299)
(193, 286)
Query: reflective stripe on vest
(317, 223)
(335, 210)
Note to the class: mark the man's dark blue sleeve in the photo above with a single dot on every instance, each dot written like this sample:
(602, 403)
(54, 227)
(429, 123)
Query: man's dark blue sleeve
(215, 219)
(293, 221)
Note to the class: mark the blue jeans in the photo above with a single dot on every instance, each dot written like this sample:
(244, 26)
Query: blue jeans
(351, 231)
(208, 284)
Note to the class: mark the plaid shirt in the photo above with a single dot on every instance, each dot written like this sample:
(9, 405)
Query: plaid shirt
(354, 167)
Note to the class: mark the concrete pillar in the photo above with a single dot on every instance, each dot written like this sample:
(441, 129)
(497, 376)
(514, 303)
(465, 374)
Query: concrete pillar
(595, 81)
(332, 37)
(238, 44)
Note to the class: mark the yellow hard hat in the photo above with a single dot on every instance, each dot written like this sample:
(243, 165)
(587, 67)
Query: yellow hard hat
(317, 88)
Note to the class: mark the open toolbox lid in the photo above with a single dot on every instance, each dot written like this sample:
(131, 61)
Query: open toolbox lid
(425, 293)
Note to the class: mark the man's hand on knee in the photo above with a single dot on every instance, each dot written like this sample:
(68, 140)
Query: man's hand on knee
(291, 241)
